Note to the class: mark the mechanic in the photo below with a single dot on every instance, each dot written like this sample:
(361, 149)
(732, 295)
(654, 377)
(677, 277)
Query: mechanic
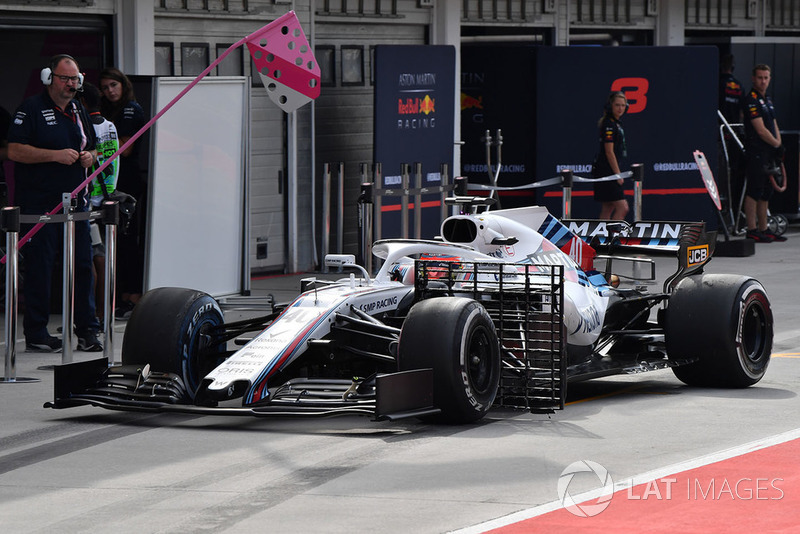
(5, 122)
(119, 105)
(763, 146)
(52, 145)
(611, 152)
(730, 91)
(107, 145)
(730, 105)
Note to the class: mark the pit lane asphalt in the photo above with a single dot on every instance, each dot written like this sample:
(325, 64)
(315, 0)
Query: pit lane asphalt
(92, 470)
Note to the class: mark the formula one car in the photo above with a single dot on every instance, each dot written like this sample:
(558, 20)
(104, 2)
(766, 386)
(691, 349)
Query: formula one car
(504, 308)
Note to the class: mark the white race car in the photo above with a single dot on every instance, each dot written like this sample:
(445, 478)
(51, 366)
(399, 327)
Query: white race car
(505, 308)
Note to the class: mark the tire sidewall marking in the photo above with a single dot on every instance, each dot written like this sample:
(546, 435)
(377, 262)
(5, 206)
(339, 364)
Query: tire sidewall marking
(752, 294)
(465, 382)
(187, 338)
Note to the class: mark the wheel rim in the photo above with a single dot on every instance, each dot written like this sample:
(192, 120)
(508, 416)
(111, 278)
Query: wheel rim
(782, 224)
(200, 353)
(754, 337)
(480, 361)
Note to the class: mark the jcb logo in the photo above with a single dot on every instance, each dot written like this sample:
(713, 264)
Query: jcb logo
(697, 255)
(635, 90)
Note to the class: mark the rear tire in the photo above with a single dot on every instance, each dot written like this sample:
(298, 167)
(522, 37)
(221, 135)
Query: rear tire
(455, 337)
(726, 322)
(169, 330)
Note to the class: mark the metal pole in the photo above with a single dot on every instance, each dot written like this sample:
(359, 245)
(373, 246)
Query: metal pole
(326, 212)
(9, 222)
(378, 219)
(418, 200)
(363, 170)
(488, 142)
(638, 176)
(404, 171)
(366, 224)
(340, 210)
(377, 211)
(443, 194)
(11, 226)
(291, 125)
(566, 201)
(68, 293)
(111, 220)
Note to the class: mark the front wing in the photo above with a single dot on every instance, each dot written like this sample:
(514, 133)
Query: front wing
(388, 396)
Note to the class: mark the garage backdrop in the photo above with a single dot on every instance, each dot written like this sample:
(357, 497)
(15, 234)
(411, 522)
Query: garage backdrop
(414, 117)
(673, 101)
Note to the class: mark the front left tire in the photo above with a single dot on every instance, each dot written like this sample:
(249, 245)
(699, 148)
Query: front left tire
(170, 329)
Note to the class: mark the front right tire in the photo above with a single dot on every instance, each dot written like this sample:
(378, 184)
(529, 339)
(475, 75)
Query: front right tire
(457, 338)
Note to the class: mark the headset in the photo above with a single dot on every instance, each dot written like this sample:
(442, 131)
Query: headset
(47, 73)
(610, 101)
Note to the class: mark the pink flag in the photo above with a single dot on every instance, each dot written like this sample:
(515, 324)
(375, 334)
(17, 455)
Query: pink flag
(285, 62)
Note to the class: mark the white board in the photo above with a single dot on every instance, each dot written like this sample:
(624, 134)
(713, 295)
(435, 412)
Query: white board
(197, 208)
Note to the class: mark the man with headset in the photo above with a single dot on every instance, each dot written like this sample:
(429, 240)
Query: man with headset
(52, 144)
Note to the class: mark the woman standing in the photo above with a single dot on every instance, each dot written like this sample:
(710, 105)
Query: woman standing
(611, 152)
(120, 107)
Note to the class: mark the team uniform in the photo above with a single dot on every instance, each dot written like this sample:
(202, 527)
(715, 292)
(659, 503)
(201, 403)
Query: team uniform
(5, 122)
(130, 274)
(610, 132)
(38, 188)
(129, 121)
(730, 105)
(760, 155)
(730, 96)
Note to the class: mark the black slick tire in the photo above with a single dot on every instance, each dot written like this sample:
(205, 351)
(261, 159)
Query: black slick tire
(169, 330)
(724, 322)
(455, 337)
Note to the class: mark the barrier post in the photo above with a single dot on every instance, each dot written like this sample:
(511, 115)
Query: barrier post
(365, 217)
(404, 176)
(111, 221)
(566, 200)
(445, 169)
(68, 279)
(9, 221)
(460, 189)
(418, 200)
(638, 176)
(378, 204)
(326, 211)
(340, 210)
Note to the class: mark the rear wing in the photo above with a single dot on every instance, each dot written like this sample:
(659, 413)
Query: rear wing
(689, 241)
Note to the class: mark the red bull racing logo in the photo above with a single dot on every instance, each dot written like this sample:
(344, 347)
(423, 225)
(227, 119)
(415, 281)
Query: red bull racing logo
(414, 106)
(471, 102)
(422, 107)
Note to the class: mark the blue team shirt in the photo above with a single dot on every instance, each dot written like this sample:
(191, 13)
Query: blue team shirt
(40, 123)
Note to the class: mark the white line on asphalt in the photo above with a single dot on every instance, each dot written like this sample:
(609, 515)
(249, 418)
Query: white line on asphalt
(636, 480)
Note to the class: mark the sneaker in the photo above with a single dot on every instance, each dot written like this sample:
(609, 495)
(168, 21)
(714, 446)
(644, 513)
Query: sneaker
(89, 343)
(775, 237)
(45, 344)
(759, 237)
(124, 310)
